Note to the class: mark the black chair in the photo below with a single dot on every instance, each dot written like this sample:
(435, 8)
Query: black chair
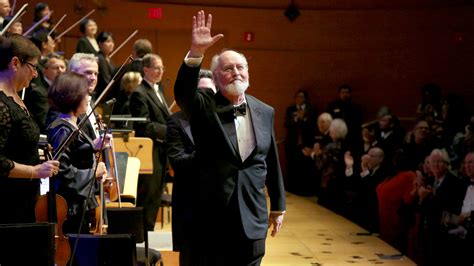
(98, 250)
(165, 203)
(26, 244)
(131, 221)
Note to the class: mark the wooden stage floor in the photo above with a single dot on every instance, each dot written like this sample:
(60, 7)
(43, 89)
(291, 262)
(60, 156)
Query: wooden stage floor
(312, 235)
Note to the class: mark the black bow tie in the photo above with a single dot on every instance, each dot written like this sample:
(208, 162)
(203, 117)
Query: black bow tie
(240, 109)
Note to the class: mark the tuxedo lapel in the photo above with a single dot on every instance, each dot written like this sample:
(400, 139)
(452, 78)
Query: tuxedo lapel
(152, 94)
(258, 122)
(187, 129)
(225, 115)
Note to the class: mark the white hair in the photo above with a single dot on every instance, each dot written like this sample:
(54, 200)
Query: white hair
(339, 127)
(75, 61)
(215, 59)
(443, 153)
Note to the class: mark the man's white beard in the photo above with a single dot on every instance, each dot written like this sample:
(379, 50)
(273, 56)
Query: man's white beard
(237, 87)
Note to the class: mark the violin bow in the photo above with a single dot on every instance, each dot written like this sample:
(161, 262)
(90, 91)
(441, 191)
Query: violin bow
(123, 43)
(12, 10)
(43, 19)
(57, 24)
(75, 24)
(18, 14)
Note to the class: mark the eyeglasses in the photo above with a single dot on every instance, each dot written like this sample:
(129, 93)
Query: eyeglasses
(35, 67)
(160, 69)
(230, 69)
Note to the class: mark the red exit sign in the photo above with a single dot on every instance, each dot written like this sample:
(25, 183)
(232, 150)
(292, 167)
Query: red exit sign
(155, 13)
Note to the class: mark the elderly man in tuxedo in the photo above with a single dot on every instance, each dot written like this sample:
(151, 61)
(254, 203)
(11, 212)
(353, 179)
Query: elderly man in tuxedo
(237, 156)
(148, 101)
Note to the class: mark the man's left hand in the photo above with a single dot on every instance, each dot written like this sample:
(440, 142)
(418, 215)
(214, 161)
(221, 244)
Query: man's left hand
(275, 219)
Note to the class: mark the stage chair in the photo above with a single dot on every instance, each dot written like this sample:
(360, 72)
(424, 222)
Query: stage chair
(165, 203)
(131, 221)
(129, 184)
(99, 250)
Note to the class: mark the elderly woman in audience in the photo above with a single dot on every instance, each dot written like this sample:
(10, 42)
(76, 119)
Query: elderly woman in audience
(330, 161)
(322, 135)
(396, 195)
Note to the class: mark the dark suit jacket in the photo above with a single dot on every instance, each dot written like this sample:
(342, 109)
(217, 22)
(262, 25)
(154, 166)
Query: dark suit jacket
(37, 103)
(181, 154)
(226, 184)
(448, 197)
(145, 103)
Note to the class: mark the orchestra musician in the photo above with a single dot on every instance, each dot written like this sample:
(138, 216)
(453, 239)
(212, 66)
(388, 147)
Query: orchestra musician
(20, 167)
(79, 170)
(88, 44)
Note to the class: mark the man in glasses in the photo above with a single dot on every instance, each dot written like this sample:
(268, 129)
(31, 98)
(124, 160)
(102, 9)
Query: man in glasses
(148, 101)
(236, 154)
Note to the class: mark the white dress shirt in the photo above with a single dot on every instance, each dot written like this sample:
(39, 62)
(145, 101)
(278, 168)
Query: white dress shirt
(245, 134)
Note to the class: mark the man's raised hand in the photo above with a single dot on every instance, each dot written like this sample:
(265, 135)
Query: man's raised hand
(201, 35)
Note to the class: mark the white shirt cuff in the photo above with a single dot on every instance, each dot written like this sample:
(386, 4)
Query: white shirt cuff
(192, 61)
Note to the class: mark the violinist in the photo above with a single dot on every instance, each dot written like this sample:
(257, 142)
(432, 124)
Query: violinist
(106, 68)
(20, 168)
(15, 28)
(79, 171)
(88, 44)
(42, 10)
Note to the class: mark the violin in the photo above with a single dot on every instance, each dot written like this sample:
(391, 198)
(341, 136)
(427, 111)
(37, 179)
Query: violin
(52, 208)
(109, 186)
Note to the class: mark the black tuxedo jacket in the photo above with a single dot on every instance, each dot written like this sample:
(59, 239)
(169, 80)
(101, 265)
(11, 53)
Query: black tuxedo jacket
(37, 103)
(145, 103)
(226, 183)
(181, 154)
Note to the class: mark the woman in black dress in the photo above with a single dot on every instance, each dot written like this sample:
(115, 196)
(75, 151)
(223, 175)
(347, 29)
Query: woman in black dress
(20, 168)
(76, 180)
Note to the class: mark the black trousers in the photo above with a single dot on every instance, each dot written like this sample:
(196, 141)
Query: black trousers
(225, 242)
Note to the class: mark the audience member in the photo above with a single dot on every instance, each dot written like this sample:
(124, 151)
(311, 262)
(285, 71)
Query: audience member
(345, 109)
(443, 196)
(396, 195)
(300, 120)
(418, 144)
(330, 162)
(374, 171)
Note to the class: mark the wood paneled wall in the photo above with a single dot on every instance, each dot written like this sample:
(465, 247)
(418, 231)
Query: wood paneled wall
(386, 55)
